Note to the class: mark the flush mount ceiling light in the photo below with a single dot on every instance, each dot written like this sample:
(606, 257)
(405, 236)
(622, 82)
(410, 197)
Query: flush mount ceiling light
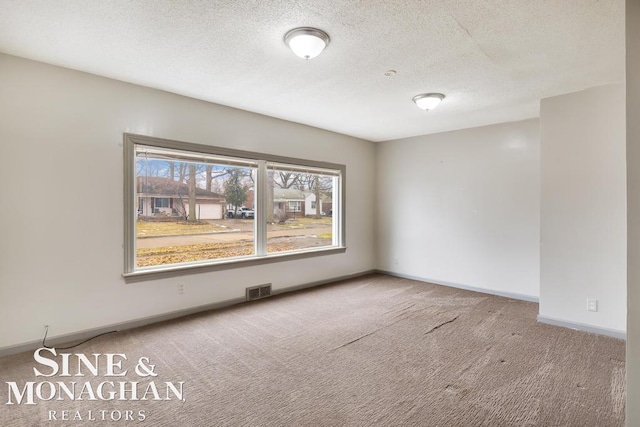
(306, 42)
(428, 101)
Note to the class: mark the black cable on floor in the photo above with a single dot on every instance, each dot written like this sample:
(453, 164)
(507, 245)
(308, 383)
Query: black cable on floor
(71, 346)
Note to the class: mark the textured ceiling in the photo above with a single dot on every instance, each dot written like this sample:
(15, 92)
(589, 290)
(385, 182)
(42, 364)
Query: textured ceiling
(494, 59)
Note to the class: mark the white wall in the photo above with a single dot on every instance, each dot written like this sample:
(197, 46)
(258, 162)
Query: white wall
(462, 207)
(61, 172)
(583, 207)
(633, 212)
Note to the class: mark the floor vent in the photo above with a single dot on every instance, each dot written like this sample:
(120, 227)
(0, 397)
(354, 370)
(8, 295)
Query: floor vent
(257, 292)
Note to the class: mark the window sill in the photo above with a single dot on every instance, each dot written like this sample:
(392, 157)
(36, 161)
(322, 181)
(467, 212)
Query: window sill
(183, 269)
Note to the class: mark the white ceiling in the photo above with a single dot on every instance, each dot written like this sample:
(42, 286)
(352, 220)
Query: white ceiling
(494, 59)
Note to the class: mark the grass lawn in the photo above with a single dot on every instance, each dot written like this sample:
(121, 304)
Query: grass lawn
(177, 228)
(240, 243)
(201, 252)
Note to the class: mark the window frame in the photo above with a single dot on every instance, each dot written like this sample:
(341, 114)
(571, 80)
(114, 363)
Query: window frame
(132, 274)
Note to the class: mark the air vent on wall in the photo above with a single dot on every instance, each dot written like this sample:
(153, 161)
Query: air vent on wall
(257, 292)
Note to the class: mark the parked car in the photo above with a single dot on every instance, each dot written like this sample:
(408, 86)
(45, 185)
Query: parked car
(242, 213)
(246, 213)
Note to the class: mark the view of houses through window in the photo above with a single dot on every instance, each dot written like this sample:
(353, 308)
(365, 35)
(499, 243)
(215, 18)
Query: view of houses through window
(292, 199)
(192, 211)
(193, 207)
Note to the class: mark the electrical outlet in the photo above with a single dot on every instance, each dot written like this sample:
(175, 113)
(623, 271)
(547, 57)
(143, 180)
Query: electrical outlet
(592, 304)
(180, 288)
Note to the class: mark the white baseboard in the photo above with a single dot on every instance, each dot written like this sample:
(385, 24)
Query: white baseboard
(583, 327)
(511, 295)
(88, 333)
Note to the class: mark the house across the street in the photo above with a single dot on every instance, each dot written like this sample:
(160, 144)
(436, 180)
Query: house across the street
(297, 203)
(163, 197)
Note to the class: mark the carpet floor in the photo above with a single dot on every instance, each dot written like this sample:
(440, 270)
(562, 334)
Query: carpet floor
(375, 350)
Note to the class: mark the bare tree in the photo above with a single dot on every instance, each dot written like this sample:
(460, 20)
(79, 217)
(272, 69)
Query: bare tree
(213, 172)
(285, 179)
(316, 190)
(181, 207)
(172, 170)
(207, 177)
(149, 167)
(192, 193)
(270, 207)
(317, 184)
(182, 171)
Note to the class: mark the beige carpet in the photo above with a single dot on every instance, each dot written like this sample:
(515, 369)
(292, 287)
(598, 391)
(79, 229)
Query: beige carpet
(370, 351)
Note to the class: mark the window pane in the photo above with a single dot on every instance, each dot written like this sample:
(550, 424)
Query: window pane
(189, 205)
(192, 211)
(299, 210)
